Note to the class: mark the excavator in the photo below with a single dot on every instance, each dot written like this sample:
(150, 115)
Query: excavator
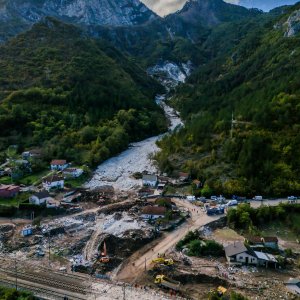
(104, 258)
(162, 260)
(166, 282)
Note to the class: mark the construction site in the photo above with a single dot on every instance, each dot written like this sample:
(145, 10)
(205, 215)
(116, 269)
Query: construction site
(112, 249)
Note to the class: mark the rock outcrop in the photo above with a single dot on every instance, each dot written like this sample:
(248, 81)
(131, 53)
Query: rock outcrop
(293, 24)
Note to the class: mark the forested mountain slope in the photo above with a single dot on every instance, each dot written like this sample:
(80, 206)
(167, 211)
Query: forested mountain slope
(75, 97)
(254, 76)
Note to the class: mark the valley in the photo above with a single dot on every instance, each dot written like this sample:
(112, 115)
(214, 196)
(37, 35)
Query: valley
(148, 157)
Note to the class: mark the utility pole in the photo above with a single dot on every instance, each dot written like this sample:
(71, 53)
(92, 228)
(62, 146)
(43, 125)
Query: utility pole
(145, 264)
(49, 246)
(16, 271)
(124, 294)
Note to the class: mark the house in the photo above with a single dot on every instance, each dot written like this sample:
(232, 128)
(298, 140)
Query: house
(9, 191)
(238, 253)
(145, 191)
(293, 285)
(40, 198)
(183, 177)
(72, 172)
(153, 212)
(53, 182)
(163, 179)
(255, 241)
(58, 164)
(265, 259)
(270, 242)
(34, 153)
(150, 180)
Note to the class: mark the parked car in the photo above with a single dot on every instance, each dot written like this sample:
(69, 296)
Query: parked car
(213, 198)
(232, 203)
(292, 198)
(258, 198)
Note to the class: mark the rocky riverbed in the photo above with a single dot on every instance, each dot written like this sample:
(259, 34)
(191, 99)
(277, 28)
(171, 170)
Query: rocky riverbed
(117, 171)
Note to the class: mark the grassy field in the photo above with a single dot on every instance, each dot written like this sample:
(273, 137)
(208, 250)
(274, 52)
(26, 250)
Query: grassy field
(77, 182)
(33, 178)
(29, 179)
(14, 201)
(281, 230)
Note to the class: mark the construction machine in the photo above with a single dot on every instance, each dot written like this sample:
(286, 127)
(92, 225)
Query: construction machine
(164, 261)
(104, 258)
(221, 291)
(166, 282)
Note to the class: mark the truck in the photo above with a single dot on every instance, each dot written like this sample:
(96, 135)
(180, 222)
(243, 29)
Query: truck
(163, 281)
(191, 198)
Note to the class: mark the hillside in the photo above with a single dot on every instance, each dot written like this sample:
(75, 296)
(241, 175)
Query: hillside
(252, 75)
(75, 97)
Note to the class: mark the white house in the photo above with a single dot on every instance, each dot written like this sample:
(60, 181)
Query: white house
(150, 180)
(40, 198)
(153, 212)
(238, 253)
(72, 172)
(58, 164)
(53, 181)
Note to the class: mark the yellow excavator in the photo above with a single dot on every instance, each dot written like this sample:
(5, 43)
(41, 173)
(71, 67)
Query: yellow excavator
(221, 291)
(164, 261)
(166, 282)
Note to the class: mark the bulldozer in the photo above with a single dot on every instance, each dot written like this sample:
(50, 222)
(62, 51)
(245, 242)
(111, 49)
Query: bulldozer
(164, 261)
(166, 282)
(104, 258)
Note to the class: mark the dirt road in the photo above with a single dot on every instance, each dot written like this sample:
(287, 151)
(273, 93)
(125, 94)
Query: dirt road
(136, 264)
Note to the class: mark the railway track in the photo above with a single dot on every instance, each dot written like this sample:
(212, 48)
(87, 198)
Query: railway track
(41, 292)
(47, 281)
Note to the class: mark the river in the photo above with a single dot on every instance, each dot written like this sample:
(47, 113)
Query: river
(117, 171)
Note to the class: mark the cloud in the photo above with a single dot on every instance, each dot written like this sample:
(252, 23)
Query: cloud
(164, 7)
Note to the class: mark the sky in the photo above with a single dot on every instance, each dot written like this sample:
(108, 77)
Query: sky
(164, 7)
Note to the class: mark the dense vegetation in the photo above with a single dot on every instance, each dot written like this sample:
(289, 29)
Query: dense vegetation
(231, 296)
(252, 72)
(199, 247)
(75, 97)
(12, 294)
(250, 220)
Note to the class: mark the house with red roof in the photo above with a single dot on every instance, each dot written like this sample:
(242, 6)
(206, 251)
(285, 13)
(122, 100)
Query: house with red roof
(9, 191)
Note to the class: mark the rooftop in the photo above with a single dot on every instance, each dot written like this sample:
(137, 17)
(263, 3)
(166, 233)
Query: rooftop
(270, 239)
(150, 177)
(9, 187)
(42, 194)
(235, 248)
(53, 178)
(58, 162)
(254, 239)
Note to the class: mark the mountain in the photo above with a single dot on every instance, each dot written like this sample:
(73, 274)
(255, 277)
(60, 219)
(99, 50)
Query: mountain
(18, 15)
(73, 96)
(266, 5)
(211, 12)
(242, 110)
